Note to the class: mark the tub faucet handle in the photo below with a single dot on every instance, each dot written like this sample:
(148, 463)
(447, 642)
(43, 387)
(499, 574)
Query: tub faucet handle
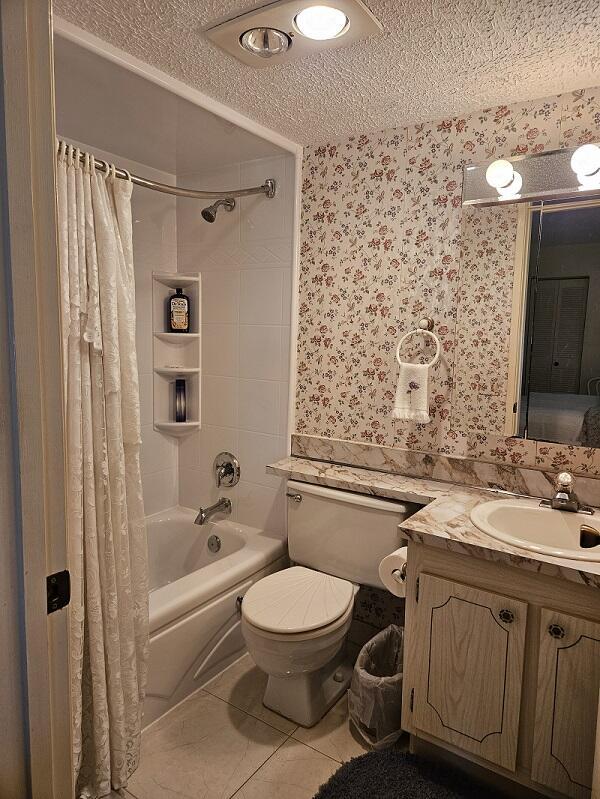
(227, 470)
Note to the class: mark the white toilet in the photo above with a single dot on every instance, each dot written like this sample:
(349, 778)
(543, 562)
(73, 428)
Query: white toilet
(295, 621)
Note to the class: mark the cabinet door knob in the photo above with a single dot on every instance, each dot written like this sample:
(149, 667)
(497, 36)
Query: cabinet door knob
(507, 616)
(556, 631)
(295, 497)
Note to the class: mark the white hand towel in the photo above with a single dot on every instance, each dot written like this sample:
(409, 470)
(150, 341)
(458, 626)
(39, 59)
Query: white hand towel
(412, 393)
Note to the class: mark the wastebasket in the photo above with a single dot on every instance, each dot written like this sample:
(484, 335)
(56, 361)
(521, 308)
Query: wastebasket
(375, 695)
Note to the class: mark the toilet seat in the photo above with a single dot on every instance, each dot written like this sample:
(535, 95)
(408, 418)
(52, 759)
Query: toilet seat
(298, 602)
(304, 637)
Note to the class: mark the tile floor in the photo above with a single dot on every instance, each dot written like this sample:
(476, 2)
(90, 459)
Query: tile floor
(222, 743)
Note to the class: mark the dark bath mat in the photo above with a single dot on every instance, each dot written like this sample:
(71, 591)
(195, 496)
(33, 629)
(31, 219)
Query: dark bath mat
(391, 774)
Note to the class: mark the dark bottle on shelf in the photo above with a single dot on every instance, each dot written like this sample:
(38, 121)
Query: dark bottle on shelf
(180, 401)
(179, 312)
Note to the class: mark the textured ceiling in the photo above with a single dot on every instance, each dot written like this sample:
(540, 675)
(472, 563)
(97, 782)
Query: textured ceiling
(435, 58)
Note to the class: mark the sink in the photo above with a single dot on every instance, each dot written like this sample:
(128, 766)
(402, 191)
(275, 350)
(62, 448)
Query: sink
(524, 524)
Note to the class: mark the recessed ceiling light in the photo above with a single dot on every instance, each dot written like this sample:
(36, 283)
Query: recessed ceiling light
(321, 22)
(265, 42)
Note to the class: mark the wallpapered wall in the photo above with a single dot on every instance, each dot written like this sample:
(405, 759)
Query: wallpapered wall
(384, 242)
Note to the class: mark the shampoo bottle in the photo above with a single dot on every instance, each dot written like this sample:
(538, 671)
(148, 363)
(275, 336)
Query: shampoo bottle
(179, 312)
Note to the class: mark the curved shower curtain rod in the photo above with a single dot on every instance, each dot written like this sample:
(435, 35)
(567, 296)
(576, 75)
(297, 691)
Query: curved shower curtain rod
(268, 187)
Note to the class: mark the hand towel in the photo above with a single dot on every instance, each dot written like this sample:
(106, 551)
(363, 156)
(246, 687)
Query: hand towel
(412, 393)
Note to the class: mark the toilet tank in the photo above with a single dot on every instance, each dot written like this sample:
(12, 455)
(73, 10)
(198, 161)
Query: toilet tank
(343, 533)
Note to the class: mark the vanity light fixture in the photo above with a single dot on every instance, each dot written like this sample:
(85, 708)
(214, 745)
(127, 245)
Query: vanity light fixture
(585, 162)
(503, 177)
(321, 22)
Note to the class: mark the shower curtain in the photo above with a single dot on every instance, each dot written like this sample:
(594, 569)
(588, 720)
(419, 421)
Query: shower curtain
(106, 527)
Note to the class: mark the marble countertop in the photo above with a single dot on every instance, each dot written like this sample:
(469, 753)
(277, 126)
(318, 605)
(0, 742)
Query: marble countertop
(444, 521)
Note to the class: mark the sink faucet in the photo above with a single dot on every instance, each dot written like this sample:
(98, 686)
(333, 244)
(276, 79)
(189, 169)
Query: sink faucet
(222, 505)
(565, 497)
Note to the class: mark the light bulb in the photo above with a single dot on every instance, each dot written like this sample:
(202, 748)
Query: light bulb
(321, 22)
(587, 182)
(265, 42)
(586, 160)
(499, 173)
(511, 192)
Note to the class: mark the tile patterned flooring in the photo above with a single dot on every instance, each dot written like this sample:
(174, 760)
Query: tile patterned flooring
(222, 743)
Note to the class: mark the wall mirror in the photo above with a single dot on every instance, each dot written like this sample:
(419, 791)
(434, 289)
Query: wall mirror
(529, 301)
(560, 379)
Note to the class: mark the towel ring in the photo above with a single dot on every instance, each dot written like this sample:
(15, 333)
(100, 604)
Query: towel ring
(422, 332)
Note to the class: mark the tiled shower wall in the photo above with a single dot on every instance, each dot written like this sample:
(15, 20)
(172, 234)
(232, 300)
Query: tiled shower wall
(385, 241)
(245, 258)
(155, 249)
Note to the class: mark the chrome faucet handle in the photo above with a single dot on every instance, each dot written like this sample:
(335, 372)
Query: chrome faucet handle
(227, 470)
(221, 472)
(564, 481)
(565, 497)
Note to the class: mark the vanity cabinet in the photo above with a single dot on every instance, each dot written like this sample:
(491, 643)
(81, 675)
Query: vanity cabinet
(469, 691)
(502, 667)
(568, 686)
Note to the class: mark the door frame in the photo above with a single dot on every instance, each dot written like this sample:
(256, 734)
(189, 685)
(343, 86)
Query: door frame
(31, 265)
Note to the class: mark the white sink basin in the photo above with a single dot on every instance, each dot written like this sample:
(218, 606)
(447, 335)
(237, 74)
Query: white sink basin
(523, 523)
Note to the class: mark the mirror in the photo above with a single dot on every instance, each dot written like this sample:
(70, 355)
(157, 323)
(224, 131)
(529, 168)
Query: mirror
(560, 381)
(528, 321)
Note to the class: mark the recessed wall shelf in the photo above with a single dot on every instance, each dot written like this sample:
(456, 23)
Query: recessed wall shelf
(176, 355)
(175, 371)
(177, 429)
(175, 280)
(177, 338)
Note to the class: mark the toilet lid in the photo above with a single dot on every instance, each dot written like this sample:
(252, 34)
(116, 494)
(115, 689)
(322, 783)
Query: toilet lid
(296, 600)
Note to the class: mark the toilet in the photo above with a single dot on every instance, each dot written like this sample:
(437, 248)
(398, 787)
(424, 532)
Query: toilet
(295, 621)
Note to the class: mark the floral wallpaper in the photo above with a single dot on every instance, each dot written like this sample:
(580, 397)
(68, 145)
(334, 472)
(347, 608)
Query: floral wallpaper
(385, 241)
(480, 374)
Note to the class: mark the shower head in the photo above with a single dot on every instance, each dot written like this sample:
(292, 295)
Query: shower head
(209, 214)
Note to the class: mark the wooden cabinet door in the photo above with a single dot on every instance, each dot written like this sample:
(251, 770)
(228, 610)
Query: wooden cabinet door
(468, 670)
(567, 703)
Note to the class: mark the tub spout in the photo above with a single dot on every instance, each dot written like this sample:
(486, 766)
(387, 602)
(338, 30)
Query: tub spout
(222, 505)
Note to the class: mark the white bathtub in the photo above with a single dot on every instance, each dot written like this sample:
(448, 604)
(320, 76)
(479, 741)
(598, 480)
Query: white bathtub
(194, 617)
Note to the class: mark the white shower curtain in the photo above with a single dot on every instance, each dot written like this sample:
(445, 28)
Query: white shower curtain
(106, 527)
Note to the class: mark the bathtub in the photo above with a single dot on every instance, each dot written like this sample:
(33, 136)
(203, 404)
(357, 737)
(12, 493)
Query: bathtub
(194, 615)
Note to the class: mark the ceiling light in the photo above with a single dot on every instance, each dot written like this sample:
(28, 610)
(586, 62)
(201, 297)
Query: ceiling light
(585, 162)
(308, 27)
(265, 42)
(321, 22)
(503, 177)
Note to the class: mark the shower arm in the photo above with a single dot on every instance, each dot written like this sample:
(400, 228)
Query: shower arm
(268, 187)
